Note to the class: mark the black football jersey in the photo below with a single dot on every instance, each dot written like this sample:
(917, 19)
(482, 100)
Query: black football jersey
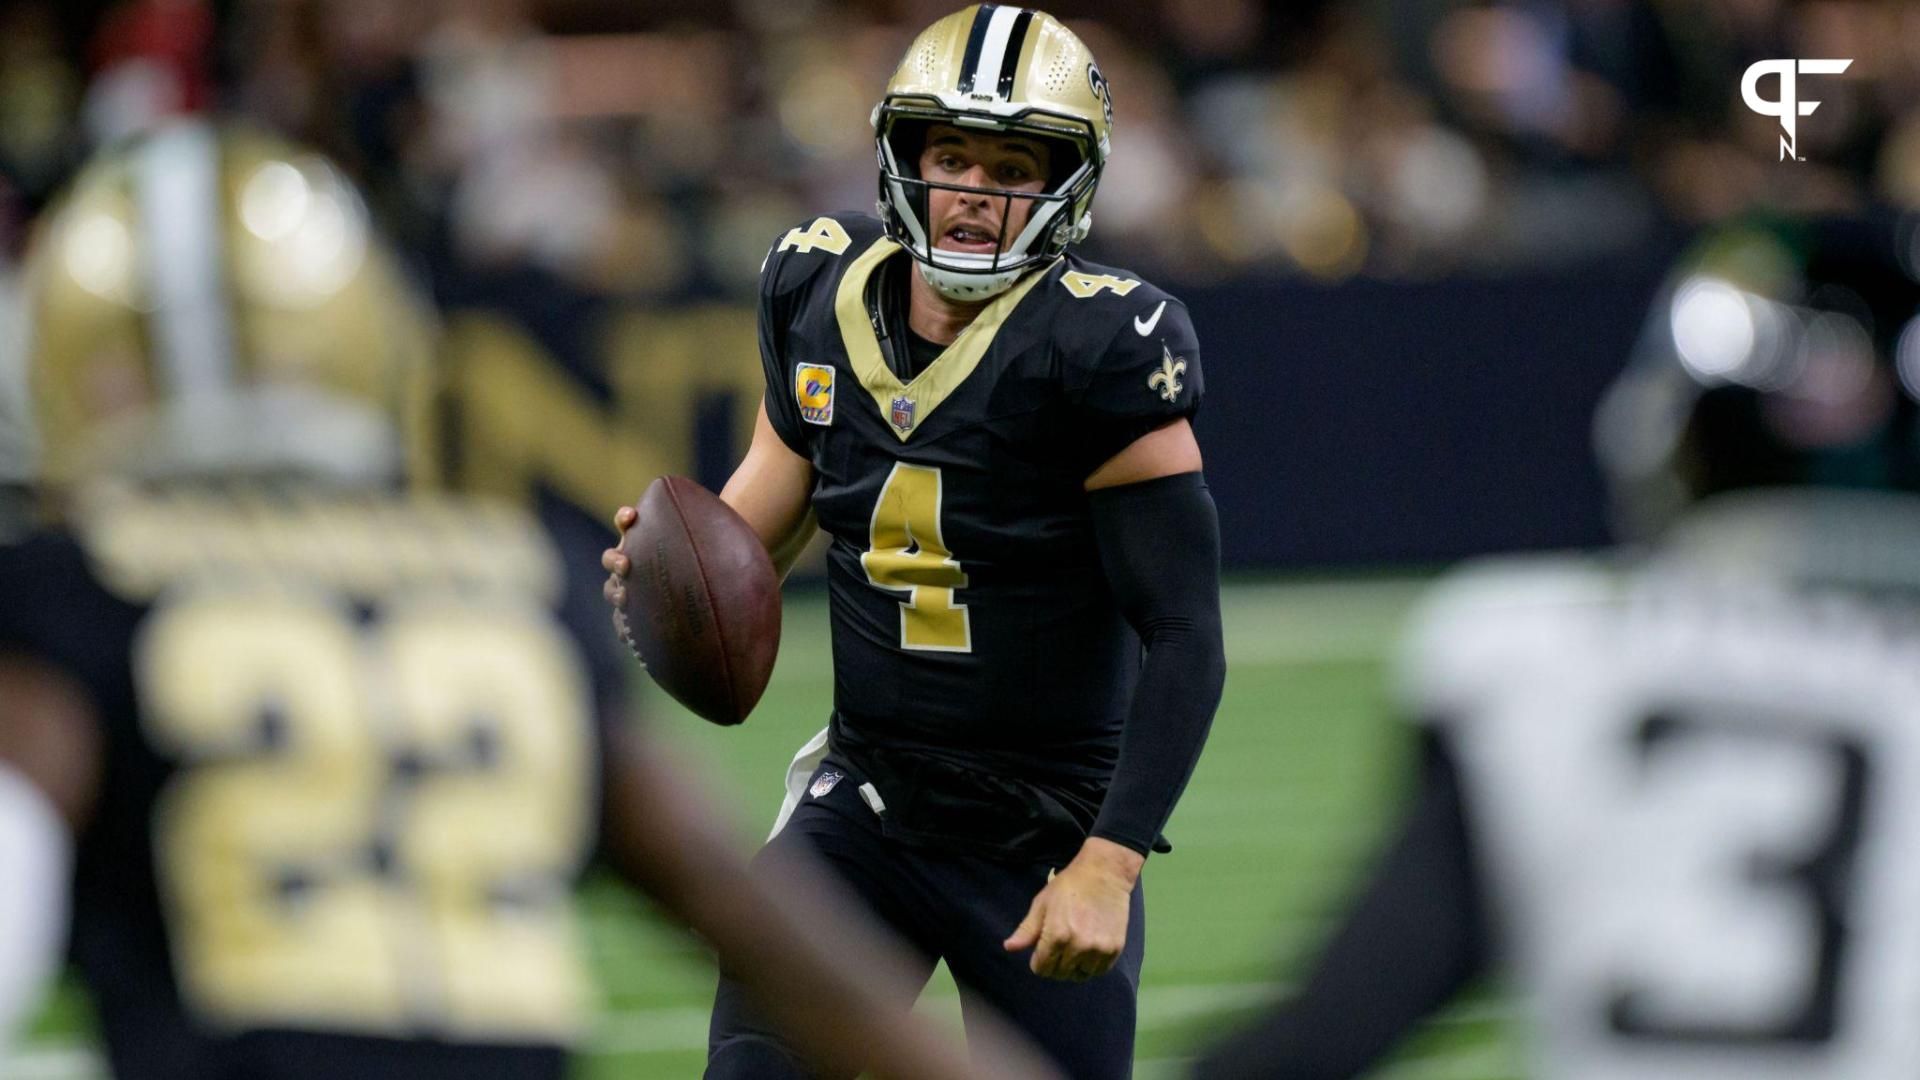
(351, 756)
(970, 614)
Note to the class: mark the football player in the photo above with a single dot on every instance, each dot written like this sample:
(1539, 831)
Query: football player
(311, 763)
(1667, 789)
(995, 435)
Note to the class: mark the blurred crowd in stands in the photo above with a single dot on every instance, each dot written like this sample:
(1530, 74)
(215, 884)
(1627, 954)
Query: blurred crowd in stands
(651, 149)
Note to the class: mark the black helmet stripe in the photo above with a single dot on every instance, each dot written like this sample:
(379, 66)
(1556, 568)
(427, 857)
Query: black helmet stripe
(976, 37)
(1011, 64)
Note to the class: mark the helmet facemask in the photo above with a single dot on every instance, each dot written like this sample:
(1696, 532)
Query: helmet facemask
(1060, 212)
(267, 430)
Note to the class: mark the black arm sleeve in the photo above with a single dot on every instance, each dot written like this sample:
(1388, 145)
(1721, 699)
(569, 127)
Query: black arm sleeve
(1415, 937)
(1160, 545)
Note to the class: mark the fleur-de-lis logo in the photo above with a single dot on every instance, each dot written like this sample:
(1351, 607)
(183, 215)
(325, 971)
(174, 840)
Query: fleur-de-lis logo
(1167, 379)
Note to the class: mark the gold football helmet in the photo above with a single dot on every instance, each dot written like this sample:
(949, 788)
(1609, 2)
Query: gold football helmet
(994, 68)
(207, 301)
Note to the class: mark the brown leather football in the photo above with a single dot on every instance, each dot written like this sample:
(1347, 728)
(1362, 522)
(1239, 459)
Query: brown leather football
(703, 601)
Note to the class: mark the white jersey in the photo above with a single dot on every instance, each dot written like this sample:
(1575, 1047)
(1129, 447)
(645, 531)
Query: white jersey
(1693, 795)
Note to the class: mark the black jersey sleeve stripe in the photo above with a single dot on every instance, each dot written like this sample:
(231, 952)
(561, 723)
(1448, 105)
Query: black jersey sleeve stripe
(976, 38)
(1016, 41)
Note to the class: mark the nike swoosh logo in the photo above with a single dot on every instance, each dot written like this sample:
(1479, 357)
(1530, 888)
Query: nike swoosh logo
(1145, 327)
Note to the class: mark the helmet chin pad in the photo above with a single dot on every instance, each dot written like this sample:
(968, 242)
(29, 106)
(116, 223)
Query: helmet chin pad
(967, 276)
(966, 287)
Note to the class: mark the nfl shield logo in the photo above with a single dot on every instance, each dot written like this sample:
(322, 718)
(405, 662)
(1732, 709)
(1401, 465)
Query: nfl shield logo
(903, 413)
(824, 783)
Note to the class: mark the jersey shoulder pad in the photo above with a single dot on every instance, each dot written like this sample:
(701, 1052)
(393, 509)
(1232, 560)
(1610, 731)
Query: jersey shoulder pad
(1492, 618)
(1107, 318)
(1084, 279)
(1090, 305)
(816, 248)
(1125, 351)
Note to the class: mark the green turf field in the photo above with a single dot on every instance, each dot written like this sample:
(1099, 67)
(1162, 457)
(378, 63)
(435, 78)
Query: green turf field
(1296, 785)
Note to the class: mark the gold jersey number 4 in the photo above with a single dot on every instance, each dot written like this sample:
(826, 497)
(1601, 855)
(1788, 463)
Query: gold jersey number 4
(824, 234)
(374, 830)
(907, 553)
(1084, 285)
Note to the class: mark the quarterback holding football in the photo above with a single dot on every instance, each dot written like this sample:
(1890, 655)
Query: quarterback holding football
(1023, 571)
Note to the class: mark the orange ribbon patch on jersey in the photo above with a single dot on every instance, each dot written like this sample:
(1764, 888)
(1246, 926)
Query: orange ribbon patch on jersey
(813, 390)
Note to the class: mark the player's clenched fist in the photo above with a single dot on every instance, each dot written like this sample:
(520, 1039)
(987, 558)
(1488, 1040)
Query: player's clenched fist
(1077, 925)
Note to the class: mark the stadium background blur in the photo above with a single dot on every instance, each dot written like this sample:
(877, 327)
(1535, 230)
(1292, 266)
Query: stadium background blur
(1417, 238)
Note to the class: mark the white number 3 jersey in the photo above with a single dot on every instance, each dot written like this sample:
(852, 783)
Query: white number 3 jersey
(1694, 801)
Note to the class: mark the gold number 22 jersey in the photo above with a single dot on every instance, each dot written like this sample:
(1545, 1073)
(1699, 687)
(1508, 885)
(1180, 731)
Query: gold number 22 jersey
(350, 776)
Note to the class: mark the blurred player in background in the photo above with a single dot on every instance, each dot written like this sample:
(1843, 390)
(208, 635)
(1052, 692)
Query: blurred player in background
(1672, 790)
(311, 761)
(995, 435)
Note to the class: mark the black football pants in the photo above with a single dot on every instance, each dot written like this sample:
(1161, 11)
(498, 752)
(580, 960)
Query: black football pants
(943, 906)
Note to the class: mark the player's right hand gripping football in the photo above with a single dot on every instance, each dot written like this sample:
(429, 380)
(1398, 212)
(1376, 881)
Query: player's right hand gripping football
(618, 568)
